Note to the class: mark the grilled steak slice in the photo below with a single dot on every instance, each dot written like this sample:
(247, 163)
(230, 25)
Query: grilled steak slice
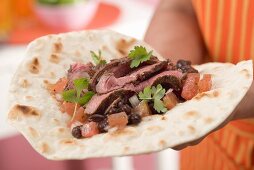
(99, 103)
(168, 79)
(77, 71)
(119, 68)
(109, 82)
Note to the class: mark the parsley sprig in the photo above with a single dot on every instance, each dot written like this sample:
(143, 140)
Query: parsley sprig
(139, 55)
(75, 95)
(98, 58)
(155, 95)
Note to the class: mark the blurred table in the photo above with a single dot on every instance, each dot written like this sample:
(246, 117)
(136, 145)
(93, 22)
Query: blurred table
(133, 21)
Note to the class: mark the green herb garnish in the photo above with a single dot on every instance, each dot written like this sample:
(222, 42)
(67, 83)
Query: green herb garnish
(139, 55)
(74, 95)
(155, 95)
(97, 58)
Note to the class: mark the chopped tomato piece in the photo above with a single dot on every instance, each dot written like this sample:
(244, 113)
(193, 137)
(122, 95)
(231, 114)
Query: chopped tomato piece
(89, 129)
(205, 84)
(190, 87)
(80, 116)
(170, 100)
(68, 108)
(118, 120)
(143, 109)
(59, 86)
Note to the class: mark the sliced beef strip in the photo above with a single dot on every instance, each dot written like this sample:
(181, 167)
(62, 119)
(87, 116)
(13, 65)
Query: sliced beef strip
(109, 82)
(119, 67)
(79, 70)
(99, 103)
(168, 79)
(111, 66)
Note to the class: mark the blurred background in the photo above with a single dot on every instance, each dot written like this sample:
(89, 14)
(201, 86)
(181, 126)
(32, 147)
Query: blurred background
(21, 21)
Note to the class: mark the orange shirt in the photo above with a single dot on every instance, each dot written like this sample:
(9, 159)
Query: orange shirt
(228, 30)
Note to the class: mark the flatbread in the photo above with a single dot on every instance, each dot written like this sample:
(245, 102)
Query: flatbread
(35, 113)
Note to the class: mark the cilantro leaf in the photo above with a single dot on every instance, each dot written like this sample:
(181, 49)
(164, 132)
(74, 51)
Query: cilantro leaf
(154, 94)
(98, 58)
(85, 98)
(69, 95)
(159, 92)
(80, 84)
(146, 95)
(159, 106)
(75, 95)
(139, 55)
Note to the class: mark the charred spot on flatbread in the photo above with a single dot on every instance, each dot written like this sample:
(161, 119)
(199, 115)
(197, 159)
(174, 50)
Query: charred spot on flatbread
(163, 118)
(126, 149)
(33, 132)
(46, 82)
(68, 142)
(192, 129)
(246, 73)
(123, 45)
(191, 114)
(24, 83)
(44, 148)
(77, 53)
(23, 110)
(61, 130)
(208, 120)
(209, 94)
(123, 132)
(52, 74)
(57, 47)
(34, 66)
(29, 97)
(154, 128)
(162, 143)
(54, 58)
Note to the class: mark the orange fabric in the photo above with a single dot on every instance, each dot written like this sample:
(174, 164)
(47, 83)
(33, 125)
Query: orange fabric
(228, 30)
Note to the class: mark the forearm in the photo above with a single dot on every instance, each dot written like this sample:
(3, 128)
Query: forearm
(245, 109)
(174, 31)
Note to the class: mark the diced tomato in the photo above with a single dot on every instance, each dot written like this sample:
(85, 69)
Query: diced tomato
(143, 109)
(68, 108)
(59, 86)
(80, 116)
(190, 87)
(205, 84)
(89, 129)
(170, 100)
(118, 120)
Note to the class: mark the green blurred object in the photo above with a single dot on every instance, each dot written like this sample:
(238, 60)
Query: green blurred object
(59, 2)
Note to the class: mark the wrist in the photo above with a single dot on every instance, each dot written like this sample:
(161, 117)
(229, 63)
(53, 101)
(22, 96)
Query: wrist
(245, 109)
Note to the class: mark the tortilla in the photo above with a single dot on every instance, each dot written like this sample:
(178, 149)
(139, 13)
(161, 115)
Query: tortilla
(35, 113)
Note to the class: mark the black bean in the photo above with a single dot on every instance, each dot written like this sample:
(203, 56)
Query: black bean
(185, 66)
(103, 125)
(181, 63)
(114, 110)
(96, 118)
(126, 108)
(134, 119)
(120, 104)
(76, 132)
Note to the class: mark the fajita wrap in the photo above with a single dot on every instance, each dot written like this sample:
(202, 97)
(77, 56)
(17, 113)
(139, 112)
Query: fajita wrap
(36, 114)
